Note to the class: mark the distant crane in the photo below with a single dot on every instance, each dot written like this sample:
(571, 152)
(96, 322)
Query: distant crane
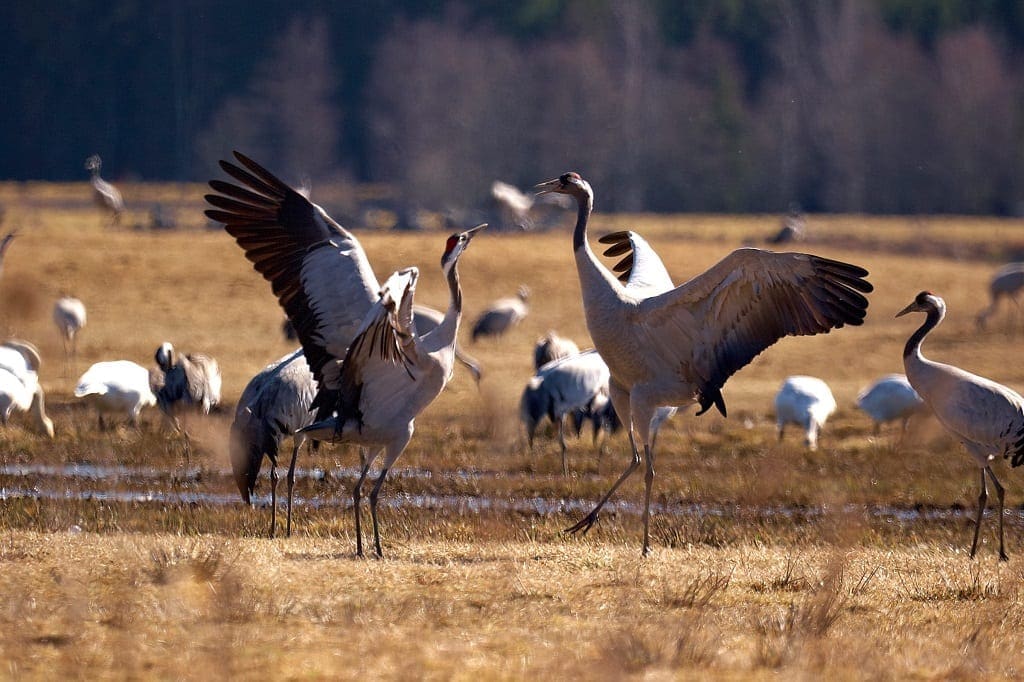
(679, 346)
(69, 316)
(116, 386)
(502, 315)
(274, 405)
(889, 398)
(1006, 284)
(19, 384)
(184, 383)
(5, 244)
(806, 402)
(987, 417)
(794, 227)
(552, 347)
(107, 196)
(374, 371)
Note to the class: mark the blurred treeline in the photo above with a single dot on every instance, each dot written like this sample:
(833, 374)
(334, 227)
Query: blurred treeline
(890, 106)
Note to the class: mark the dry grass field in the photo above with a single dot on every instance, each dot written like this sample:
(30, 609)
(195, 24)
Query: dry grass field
(121, 561)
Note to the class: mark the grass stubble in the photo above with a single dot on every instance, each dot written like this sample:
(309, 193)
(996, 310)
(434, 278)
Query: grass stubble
(96, 588)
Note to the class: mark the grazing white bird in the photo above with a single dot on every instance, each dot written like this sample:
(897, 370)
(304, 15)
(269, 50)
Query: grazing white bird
(184, 383)
(987, 417)
(806, 402)
(69, 316)
(889, 398)
(374, 371)
(428, 319)
(502, 315)
(19, 384)
(275, 404)
(679, 346)
(552, 347)
(1007, 283)
(107, 196)
(116, 386)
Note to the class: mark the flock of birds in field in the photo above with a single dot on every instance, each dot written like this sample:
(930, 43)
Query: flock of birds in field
(371, 359)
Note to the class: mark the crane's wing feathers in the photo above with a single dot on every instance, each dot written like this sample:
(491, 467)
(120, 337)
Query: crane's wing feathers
(641, 269)
(744, 304)
(379, 360)
(317, 269)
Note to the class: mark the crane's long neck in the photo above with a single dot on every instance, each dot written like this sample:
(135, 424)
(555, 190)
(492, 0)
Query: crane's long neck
(449, 327)
(594, 277)
(912, 351)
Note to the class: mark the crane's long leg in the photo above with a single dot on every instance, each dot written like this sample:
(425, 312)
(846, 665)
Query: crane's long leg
(296, 444)
(364, 462)
(561, 441)
(982, 498)
(648, 484)
(274, 478)
(1000, 492)
(590, 519)
(393, 451)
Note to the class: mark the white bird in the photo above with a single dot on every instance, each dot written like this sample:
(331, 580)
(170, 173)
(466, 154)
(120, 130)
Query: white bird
(552, 347)
(889, 398)
(374, 371)
(19, 384)
(116, 386)
(806, 402)
(107, 196)
(274, 405)
(987, 417)
(1007, 283)
(428, 319)
(678, 346)
(184, 384)
(502, 315)
(69, 316)
(513, 204)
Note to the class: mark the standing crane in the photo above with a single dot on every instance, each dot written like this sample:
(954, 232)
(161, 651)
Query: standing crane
(502, 315)
(806, 402)
(184, 383)
(374, 371)
(889, 398)
(275, 404)
(107, 197)
(19, 384)
(679, 347)
(69, 316)
(116, 386)
(988, 418)
(1006, 283)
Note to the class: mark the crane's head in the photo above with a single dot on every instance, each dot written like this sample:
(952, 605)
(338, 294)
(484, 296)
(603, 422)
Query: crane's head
(93, 163)
(456, 244)
(567, 183)
(164, 356)
(925, 302)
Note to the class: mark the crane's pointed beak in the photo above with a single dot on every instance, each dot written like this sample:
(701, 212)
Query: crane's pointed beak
(473, 230)
(909, 309)
(548, 186)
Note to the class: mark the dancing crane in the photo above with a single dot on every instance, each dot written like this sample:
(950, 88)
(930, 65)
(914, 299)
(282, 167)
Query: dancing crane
(374, 371)
(988, 418)
(679, 346)
(184, 383)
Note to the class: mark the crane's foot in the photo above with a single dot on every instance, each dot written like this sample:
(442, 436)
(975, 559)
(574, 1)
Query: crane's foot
(584, 524)
(1003, 556)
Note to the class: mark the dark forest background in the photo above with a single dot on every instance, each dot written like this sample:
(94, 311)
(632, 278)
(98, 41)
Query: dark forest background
(888, 106)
